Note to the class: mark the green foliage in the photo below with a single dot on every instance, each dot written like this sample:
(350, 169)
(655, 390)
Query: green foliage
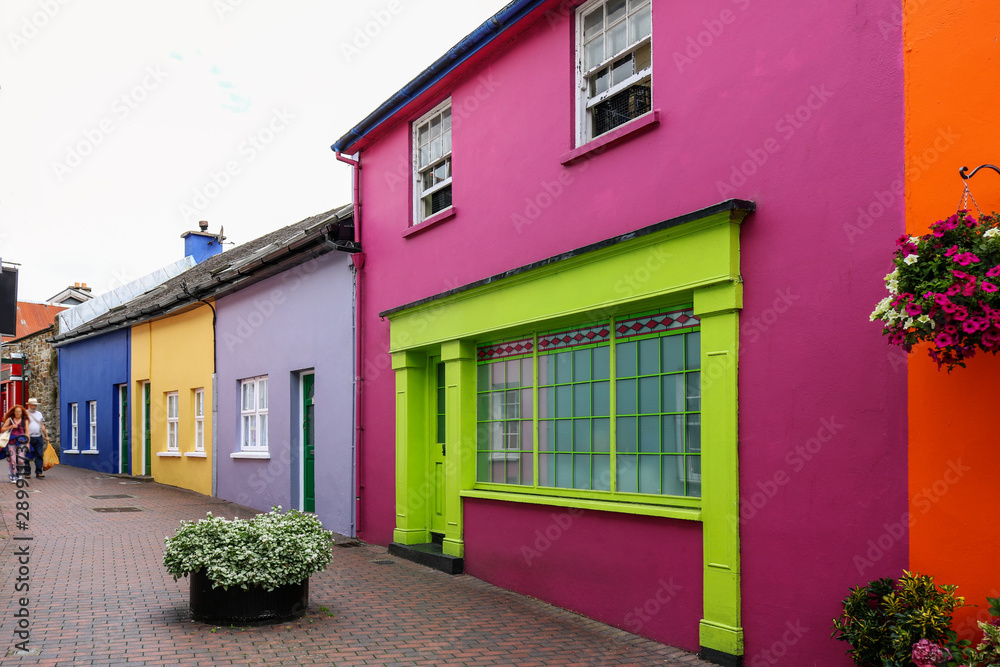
(884, 619)
(987, 652)
(269, 550)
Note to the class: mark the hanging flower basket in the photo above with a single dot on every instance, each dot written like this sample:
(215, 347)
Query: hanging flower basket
(945, 290)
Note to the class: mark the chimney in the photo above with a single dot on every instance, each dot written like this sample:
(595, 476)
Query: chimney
(201, 244)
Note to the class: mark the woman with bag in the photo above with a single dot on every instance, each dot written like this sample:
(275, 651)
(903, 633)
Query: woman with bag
(15, 428)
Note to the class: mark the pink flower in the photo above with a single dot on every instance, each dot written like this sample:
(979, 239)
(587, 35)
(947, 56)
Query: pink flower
(944, 339)
(961, 312)
(954, 289)
(988, 287)
(991, 338)
(927, 654)
(994, 272)
(961, 275)
(913, 309)
(965, 258)
(951, 251)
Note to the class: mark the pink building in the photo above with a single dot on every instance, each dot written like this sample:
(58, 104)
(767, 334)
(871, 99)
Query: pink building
(614, 310)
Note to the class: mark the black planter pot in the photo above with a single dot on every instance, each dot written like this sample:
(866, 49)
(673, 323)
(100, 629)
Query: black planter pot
(253, 606)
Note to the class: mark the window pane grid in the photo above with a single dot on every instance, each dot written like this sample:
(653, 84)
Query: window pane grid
(92, 413)
(199, 420)
(253, 417)
(432, 162)
(615, 42)
(638, 432)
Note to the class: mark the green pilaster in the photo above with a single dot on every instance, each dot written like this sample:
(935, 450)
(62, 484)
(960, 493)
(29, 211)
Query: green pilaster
(721, 628)
(459, 357)
(412, 521)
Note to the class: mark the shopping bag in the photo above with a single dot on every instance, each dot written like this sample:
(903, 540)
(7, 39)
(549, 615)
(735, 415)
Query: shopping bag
(50, 458)
(4, 438)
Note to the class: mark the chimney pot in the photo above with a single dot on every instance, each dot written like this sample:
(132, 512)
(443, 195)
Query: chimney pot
(203, 224)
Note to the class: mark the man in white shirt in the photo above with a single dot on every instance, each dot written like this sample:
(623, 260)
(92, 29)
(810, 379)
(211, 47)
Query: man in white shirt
(36, 429)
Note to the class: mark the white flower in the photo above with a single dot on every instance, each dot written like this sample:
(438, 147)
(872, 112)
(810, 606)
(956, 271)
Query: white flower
(910, 259)
(992, 231)
(923, 319)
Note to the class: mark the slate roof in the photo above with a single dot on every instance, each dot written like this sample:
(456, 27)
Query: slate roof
(228, 271)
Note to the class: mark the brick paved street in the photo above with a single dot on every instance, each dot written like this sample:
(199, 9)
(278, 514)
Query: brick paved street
(99, 595)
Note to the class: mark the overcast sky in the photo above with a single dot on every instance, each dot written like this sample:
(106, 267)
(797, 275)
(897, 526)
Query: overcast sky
(124, 122)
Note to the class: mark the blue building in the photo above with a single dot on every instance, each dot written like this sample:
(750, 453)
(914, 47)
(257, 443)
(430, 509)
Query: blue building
(93, 402)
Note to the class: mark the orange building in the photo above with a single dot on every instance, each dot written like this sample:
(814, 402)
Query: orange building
(951, 53)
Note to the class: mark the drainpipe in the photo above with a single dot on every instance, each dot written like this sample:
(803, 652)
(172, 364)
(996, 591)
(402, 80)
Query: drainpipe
(358, 260)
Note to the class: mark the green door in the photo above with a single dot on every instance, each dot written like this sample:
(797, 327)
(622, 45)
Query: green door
(309, 444)
(123, 428)
(147, 439)
(437, 453)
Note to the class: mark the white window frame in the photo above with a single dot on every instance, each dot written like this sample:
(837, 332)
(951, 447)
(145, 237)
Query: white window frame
(173, 418)
(199, 420)
(74, 430)
(419, 193)
(586, 102)
(253, 414)
(92, 420)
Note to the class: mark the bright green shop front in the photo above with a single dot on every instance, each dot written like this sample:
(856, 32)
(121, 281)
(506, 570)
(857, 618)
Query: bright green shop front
(602, 379)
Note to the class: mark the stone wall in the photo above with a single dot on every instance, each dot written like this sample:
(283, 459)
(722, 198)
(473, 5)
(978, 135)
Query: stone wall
(41, 377)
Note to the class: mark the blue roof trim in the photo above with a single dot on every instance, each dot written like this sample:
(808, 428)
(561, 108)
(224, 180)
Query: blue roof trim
(473, 42)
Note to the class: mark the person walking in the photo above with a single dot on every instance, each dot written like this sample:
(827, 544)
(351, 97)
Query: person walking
(16, 422)
(36, 431)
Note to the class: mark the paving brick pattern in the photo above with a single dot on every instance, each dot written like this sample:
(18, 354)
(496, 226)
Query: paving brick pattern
(99, 595)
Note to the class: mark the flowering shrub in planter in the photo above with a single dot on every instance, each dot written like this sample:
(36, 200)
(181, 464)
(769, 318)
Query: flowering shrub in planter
(945, 290)
(885, 621)
(267, 551)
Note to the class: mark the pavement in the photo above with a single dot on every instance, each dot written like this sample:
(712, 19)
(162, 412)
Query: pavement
(98, 594)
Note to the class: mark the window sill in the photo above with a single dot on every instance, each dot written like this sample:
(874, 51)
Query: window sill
(71, 451)
(89, 451)
(250, 455)
(432, 221)
(685, 513)
(170, 454)
(633, 128)
(197, 455)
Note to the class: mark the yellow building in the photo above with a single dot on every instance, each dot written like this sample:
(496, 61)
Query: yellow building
(171, 369)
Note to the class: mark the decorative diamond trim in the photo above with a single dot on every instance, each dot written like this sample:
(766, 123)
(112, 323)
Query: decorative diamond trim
(509, 349)
(647, 324)
(587, 336)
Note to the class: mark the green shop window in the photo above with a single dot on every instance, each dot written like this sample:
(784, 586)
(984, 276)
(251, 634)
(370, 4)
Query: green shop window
(618, 407)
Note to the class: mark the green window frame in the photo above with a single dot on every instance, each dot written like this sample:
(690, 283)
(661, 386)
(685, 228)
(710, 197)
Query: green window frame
(611, 408)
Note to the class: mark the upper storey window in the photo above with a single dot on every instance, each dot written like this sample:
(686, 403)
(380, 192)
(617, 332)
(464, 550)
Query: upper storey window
(432, 162)
(614, 64)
